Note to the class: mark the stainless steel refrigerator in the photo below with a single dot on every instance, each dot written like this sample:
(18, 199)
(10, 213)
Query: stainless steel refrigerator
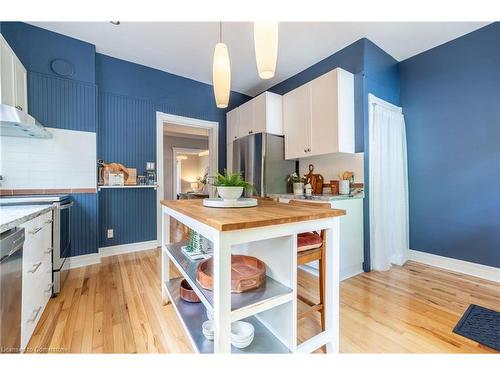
(261, 159)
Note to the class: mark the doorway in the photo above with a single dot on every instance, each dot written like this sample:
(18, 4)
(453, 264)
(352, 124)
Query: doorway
(191, 130)
(190, 172)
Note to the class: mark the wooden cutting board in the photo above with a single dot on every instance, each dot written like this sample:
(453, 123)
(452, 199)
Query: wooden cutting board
(316, 180)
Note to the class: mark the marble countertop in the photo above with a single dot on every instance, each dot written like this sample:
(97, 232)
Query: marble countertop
(323, 197)
(12, 216)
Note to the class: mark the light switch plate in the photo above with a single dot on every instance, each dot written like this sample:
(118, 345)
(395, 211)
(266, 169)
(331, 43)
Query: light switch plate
(110, 233)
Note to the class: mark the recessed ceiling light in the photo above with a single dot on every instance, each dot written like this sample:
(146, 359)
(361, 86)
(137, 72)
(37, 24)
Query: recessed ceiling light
(116, 23)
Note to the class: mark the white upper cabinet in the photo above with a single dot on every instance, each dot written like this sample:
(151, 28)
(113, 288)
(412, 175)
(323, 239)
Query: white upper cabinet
(318, 117)
(262, 114)
(13, 85)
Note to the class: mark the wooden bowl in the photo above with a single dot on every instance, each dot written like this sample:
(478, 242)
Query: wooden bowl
(247, 273)
(187, 293)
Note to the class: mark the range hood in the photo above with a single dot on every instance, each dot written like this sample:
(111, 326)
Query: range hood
(16, 123)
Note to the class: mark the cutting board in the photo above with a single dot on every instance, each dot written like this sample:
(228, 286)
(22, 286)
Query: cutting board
(316, 180)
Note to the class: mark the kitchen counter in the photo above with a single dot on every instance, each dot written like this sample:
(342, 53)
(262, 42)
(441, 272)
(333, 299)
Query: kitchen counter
(323, 197)
(12, 216)
(268, 232)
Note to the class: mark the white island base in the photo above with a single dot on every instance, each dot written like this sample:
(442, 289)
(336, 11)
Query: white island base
(272, 308)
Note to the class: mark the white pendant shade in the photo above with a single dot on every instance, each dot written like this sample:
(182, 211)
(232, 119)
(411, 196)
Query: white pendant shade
(221, 75)
(266, 47)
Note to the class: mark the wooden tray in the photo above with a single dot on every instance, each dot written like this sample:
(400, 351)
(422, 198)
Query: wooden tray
(247, 273)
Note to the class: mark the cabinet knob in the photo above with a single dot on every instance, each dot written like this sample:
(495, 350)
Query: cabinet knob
(19, 107)
(250, 132)
(305, 150)
(308, 150)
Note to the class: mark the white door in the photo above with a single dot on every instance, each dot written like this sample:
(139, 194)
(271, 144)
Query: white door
(324, 115)
(297, 122)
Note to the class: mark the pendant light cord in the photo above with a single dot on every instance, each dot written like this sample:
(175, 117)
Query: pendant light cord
(220, 31)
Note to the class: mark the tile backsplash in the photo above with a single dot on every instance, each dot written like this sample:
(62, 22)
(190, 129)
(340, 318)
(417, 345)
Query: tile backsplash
(68, 160)
(330, 166)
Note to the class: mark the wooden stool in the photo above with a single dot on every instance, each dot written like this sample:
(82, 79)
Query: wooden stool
(311, 247)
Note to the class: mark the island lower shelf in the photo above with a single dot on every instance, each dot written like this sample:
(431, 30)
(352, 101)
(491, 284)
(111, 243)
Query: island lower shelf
(269, 295)
(192, 316)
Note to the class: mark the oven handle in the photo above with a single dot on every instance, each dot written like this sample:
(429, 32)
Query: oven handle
(65, 206)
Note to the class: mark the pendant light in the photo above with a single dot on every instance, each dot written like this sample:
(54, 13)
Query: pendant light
(265, 36)
(221, 73)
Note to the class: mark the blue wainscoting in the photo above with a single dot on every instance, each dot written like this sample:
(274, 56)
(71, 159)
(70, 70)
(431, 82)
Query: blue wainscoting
(451, 100)
(131, 213)
(62, 103)
(84, 224)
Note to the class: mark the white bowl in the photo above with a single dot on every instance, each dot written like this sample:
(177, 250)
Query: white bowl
(242, 334)
(230, 193)
(208, 328)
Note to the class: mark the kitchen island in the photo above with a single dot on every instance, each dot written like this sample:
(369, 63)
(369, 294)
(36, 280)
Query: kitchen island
(269, 233)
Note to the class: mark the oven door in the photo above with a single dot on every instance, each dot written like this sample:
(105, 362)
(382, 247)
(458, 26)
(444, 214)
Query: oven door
(62, 244)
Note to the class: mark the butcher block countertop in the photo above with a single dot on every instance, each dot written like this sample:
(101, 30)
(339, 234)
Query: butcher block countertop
(266, 213)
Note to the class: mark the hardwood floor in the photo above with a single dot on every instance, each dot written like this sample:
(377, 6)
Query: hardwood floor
(115, 307)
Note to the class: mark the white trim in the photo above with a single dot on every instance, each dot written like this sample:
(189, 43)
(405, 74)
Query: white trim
(127, 248)
(456, 265)
(213, 146)
(84, 260)
(95, 258)
(345, 273)
(373, 100)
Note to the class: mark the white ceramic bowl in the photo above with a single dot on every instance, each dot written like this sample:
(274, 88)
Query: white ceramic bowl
(208, 329)
(230, 193)
(242, 334)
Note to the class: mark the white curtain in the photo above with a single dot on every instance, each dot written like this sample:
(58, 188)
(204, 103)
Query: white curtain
(388, 186)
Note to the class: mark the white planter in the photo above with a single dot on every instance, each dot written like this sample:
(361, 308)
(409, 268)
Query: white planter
(230, 193)
(298, 188)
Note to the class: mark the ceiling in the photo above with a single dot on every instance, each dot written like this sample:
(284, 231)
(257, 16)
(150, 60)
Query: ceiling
(186, 48)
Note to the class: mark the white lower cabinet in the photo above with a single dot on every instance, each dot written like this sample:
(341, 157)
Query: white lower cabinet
(351, 236)
(37, 273)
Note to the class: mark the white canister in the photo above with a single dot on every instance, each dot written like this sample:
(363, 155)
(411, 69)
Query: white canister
(344, 187)
(298, 188)
(308, 189)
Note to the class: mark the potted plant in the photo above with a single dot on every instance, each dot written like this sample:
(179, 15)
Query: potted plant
(230, 185)
(297, 182)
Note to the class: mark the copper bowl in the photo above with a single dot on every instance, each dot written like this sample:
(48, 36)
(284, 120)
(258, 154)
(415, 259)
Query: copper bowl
(187, 293)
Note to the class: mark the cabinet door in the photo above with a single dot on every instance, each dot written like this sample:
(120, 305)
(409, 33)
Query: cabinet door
(324, 115)
(232, 125)
(297, 122)
(259, 107)
(21, 98)
(246, 119)
(7, 75)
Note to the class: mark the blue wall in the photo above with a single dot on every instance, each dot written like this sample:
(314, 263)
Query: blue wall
(129, 96)
(374, 72)
(451, 100)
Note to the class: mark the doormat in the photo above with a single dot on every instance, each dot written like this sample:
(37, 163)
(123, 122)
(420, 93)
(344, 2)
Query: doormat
(481, 325)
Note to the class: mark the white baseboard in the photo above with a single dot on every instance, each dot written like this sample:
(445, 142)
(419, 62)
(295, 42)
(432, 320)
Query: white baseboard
(344, 273)
(95, 258)
(456, 265)
(84, 260)
(127, 248)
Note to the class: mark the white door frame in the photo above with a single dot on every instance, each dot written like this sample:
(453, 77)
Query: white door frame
(177, 167)
(213, 146)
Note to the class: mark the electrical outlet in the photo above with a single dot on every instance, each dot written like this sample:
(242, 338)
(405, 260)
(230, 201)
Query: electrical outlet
(110, 233)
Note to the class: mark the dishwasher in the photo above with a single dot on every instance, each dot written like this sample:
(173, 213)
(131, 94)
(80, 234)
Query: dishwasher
(11, 279)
